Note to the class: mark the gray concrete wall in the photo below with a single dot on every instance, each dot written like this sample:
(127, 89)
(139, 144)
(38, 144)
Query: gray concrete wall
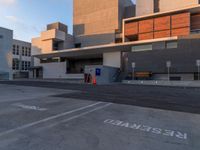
(108, 74)
(6, 39)
(183, 58)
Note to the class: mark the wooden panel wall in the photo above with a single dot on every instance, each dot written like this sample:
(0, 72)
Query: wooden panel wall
(162, 23)
(180, 20)
(180, 31)
(146, 36)
(195, 21)
(131, 28)
(167, 26)
(162, 34)
(146, 26)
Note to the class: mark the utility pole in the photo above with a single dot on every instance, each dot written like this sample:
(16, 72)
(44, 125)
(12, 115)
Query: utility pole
(133, 67)
(168, 64)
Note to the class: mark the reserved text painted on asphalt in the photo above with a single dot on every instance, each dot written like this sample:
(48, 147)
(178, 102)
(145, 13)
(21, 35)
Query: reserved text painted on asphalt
(145, 128)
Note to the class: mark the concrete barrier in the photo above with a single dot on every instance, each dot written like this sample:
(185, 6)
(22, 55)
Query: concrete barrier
(164, 83)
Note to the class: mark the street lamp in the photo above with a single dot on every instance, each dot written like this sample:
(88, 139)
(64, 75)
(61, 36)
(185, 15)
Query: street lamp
(168, 64)
(198, 66)
(133, 67)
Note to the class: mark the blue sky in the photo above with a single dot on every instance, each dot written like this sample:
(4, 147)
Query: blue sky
(29, 17)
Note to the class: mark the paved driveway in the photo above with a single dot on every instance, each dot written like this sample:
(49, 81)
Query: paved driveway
(46, 122)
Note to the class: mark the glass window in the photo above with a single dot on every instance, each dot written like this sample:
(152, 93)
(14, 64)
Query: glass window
(26, 65)
(15, 64)
(145, 47)
(13, 51)
(29, 64)
(173, 44)
(29, 52)
(23, 52)
(26, 52)
(17, 52)
(23, 65)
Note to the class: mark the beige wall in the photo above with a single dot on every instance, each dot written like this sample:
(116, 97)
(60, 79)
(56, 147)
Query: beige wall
(144, 7)
(53, 34)
(95, 21)
(166, 5)
(42, 46)
(112, 59)
(95, 17)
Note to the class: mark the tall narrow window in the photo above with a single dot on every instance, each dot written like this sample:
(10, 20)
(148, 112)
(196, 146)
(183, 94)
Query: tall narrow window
(156, 6)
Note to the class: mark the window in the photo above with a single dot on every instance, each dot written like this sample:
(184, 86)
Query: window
(172, 44)
(14, 50)
(78, 45)
(29, 52)
(17, 47)
(23, 51)
(1, 36)
(29, 64)
(23, 65)
(156, 5)
(17, 52)
(26, 52)
(145, 47)
(15, 64)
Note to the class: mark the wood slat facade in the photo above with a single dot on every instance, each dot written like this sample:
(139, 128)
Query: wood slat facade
(162, 34)
(146, 26)
(180, 20)
(165, 26)
(162, 23)
(131, 28)
(146, 36)
(195, 21)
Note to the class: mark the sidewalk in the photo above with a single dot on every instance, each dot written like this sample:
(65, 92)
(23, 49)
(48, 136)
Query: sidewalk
(195, 84)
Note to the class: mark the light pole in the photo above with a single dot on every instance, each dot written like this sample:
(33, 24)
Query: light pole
(133, 73)
(198, 66)
(168, 64)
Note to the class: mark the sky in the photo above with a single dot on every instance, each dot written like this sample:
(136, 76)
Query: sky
(29, 17)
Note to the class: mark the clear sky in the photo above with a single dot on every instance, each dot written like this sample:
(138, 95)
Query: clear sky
(29, 17)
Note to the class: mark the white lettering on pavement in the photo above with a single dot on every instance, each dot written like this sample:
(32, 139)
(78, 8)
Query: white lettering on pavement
(145, 128)
(30, 107)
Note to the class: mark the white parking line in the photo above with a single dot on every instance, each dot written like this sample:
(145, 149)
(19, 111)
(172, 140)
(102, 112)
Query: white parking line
(47, 119)
(80, 115)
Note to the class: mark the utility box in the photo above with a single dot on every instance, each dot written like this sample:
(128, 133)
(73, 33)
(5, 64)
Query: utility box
(101, 74)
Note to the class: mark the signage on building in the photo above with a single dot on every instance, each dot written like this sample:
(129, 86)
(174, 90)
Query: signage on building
(98, 72)
(133, 65)
(169, 64)
(198, 63)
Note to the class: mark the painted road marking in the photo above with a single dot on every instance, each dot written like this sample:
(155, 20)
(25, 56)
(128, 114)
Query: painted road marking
(30, 107)
(47, 119)
(145, 128)
(80, 115)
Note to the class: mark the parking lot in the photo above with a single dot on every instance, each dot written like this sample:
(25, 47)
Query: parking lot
(53, 116)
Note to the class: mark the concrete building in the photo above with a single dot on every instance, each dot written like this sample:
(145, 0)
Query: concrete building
(21, 63)
(15, 56)
(6, 39)
(159, 40)
(99, 22)
(146, 7)
(165, 42)
(95, 23)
